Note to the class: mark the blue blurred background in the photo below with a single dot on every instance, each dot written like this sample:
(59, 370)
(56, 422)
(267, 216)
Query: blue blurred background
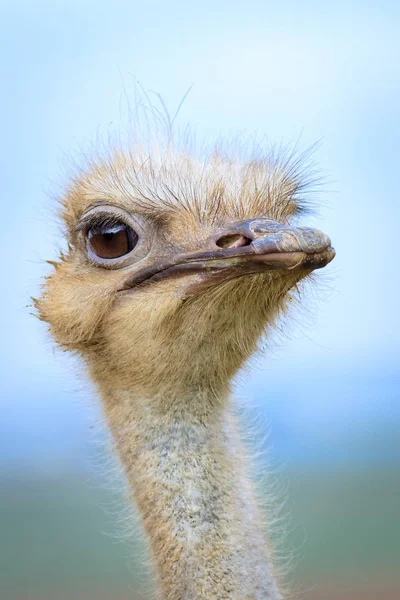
(329, 394)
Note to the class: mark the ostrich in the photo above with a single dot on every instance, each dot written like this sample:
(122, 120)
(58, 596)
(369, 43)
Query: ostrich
(176, 268)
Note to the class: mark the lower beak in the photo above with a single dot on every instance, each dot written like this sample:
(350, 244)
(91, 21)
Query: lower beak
(245, 247)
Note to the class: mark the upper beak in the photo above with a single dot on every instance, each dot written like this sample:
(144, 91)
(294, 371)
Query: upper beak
(273, 240)
(251, 246)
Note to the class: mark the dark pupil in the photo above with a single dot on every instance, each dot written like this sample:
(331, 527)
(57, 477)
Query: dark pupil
(112, 241)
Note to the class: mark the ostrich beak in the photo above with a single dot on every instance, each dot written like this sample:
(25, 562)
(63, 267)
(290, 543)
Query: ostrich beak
(242, 248)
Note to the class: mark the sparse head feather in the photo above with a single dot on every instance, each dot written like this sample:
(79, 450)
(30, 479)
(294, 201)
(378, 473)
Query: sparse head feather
(215, 185)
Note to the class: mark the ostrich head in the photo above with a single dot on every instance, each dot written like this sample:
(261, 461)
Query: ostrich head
(175, 268)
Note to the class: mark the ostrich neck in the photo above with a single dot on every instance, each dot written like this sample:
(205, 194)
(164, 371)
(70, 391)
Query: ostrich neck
(184, 462)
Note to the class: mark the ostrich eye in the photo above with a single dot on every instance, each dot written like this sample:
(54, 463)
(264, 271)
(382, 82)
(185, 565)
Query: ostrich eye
(111, 240)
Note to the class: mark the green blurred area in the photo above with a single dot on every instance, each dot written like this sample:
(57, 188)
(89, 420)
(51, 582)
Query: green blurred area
(60, 537)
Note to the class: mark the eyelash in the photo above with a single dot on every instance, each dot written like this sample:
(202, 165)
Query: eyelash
(99, 223)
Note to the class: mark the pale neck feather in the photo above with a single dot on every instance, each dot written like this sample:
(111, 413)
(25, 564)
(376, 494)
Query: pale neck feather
(188, 473)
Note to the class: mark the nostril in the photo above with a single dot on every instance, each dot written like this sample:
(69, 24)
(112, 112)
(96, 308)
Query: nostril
(233, 241)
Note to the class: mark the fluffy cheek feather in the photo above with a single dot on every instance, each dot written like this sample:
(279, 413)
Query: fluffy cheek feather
(154, 340)
(74, 303)
(135, 348)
